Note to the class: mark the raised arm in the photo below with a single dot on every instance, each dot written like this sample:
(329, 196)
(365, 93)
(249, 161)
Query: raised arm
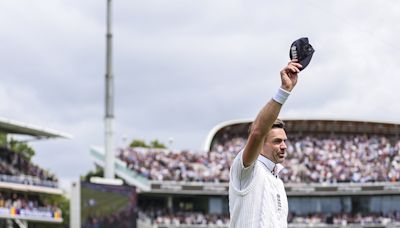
(269, 113)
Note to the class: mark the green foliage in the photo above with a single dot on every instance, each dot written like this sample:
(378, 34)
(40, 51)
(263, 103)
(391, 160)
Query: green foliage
(21, 148)
(138, 143)
(3, 140)
(99, 172)
(62, 203)
(153, 144)
(156, 144)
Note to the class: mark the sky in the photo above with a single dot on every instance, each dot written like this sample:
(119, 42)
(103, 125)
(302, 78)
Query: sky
(181, 67)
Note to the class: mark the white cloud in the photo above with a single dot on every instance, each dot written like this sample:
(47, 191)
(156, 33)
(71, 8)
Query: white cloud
(183, 66)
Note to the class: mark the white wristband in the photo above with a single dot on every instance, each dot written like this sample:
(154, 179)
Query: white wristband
(281, 96)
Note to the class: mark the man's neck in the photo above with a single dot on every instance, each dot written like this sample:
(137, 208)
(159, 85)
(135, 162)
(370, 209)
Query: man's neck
(268, 157)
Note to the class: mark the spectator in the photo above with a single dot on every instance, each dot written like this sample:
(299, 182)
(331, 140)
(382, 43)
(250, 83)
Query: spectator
(312, 159)
(14, 164)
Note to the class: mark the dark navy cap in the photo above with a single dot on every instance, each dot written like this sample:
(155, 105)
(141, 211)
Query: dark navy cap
(302, 51)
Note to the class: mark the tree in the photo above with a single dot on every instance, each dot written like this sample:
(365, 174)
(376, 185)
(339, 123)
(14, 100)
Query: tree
(22, 148)
(18, 147)
(138, 143)
(153, 144)
(3, 140)
(99, 172)
(156, 144)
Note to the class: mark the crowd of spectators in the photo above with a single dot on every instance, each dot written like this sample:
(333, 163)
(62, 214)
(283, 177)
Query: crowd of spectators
(121, 219)
(26, 202)
(310, 159)
(14, 164)
(338, 159)
(161, 217)
(346, 218)
(165, 165)
(356, 158)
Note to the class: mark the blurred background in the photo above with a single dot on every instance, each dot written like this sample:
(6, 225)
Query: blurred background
(188, 77)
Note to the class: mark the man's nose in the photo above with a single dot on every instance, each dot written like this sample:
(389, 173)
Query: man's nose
(283, 146)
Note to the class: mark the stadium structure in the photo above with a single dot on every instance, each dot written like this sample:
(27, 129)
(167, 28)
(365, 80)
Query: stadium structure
(25, 188)
(338, 173)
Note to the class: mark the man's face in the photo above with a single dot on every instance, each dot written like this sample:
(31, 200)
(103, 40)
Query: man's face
(275, 146)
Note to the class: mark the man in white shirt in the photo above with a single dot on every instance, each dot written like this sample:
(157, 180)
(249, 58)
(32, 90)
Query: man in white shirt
(257, 197)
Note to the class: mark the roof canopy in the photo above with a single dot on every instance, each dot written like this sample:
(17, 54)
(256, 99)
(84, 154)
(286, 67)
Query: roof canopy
(307, 126)
(16, 127)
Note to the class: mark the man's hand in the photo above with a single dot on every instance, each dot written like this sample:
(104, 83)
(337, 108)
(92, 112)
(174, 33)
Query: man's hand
(289, 75)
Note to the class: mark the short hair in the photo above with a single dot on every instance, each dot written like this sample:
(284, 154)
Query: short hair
(278, 123)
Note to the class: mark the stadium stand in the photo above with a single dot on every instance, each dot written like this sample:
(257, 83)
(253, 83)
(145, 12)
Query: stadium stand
(310, 159)
(337, 174)
(166, 165)
(313, 220)
(15, 165)
(22, 203)
(25, 187)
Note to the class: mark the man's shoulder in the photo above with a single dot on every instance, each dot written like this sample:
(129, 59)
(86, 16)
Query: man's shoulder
(238, 161)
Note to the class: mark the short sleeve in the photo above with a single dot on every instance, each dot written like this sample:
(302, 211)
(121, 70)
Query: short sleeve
(241, 176)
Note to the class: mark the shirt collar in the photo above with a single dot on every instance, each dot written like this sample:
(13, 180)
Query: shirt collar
(270, 164)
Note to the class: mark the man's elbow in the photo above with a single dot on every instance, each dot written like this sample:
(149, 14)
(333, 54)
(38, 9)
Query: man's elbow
(253, 147)
(257, 134)
(247, 162)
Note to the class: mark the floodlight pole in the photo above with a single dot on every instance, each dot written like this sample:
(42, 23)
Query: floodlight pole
(109, 115)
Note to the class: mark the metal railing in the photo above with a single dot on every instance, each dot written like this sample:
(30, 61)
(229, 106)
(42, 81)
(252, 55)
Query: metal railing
(28, 180)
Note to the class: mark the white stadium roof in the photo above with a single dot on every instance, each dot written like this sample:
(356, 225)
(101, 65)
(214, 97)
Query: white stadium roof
(15, 127)
(317, 125)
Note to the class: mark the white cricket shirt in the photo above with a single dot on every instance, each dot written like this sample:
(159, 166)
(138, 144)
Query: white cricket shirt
(257, 198)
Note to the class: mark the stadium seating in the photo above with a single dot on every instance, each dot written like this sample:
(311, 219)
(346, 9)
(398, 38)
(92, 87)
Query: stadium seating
(344, 219)
(354, 158)
(157, 217)
(17, 169)
(310, 159)
(162, 165)
(314, 159)
(21, 204)
(160, 216)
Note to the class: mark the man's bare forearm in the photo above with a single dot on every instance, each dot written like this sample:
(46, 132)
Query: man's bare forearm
(269, 113)
(259, 130)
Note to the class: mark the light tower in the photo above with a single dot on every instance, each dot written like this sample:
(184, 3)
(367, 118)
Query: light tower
(109, 102)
